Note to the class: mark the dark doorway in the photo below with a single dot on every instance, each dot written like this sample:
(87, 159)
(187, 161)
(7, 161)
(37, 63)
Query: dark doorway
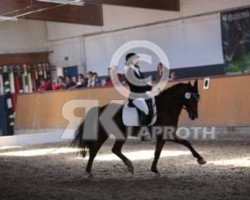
(70, 71)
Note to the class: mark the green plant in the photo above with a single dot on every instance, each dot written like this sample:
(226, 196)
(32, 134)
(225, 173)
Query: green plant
(240, 65)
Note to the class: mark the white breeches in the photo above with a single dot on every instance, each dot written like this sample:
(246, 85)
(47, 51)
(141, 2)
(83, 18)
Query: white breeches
(141, 105)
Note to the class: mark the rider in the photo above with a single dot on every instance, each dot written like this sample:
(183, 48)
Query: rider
(139, 86)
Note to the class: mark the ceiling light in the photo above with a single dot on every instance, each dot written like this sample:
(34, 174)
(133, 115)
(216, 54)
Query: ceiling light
(70, 2)
(5, 18)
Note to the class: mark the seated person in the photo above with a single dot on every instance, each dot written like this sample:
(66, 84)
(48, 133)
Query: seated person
(116, 79)
(108, 80)
(82, 82)
(45, 85)
(96, 79)
(91, 81)
(69, 82)
(60, 83)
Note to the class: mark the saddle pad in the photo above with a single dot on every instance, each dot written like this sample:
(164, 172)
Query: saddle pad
(130, 116)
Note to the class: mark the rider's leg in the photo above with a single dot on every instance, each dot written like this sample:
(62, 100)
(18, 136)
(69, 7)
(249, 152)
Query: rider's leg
(143, 118)
(143, 111)
(141, 104)
(149, 102)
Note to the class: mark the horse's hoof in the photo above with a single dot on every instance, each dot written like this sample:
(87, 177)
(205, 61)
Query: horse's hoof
(201, 161)
(90, 176)
(131, 169)
(158, 174)
(154, 170)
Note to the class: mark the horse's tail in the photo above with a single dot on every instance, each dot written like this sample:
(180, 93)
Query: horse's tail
(78, 141)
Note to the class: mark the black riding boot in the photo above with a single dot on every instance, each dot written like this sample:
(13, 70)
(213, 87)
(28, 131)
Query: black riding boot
(143, 118)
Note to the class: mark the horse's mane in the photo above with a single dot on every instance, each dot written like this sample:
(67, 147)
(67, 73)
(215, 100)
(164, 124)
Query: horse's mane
(172, 89)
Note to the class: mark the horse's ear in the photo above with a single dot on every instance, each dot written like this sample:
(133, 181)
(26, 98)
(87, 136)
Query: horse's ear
(189, 83)
(196, 84)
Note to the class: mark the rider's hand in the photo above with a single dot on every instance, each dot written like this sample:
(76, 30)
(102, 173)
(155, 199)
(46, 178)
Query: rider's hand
(154, 92)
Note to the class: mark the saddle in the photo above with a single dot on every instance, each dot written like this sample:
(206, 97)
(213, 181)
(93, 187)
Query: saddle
(130, 115)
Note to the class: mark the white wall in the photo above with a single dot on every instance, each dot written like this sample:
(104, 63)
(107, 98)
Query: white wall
(187, 43)
(71, 48)
(23, 36)
(191, 42)
(117, 17)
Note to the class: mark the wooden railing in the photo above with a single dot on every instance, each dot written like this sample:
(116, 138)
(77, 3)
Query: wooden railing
(225, 103)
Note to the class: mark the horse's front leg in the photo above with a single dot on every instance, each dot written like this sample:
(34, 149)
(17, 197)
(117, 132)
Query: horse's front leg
(159, 146)
(186, 143)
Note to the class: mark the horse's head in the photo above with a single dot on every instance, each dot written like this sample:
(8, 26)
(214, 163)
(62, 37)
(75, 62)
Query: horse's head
(191, 100)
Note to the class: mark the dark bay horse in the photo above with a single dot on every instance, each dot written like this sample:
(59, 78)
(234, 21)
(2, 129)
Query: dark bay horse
(170, 103)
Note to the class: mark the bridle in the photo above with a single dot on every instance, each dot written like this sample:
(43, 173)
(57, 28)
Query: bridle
(196, 95)
(189, 95)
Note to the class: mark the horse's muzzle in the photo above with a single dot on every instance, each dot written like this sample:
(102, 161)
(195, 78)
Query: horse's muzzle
(193, 116)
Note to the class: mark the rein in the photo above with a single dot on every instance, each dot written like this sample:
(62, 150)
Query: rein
(195, 95)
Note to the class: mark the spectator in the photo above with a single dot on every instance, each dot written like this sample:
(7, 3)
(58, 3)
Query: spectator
(82, 82)
(69, 82)
(159, 71)
(60, 83)
(74, 79)
(116, 77)
(96, 79)
(91, 81)
(173, 76)
(45, 85)
(108, 80)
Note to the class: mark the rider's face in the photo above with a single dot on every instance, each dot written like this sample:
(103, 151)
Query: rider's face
(135, 61)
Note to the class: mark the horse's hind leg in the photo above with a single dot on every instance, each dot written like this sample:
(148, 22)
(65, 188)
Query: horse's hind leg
(117, 148)
(186, 143)
(159, 146)
(93, 150)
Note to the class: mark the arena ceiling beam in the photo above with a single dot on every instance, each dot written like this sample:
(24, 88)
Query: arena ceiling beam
(171, 5)
(90, 14)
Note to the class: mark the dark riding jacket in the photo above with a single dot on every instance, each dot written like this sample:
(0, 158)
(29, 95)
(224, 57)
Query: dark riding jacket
(136, 81)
